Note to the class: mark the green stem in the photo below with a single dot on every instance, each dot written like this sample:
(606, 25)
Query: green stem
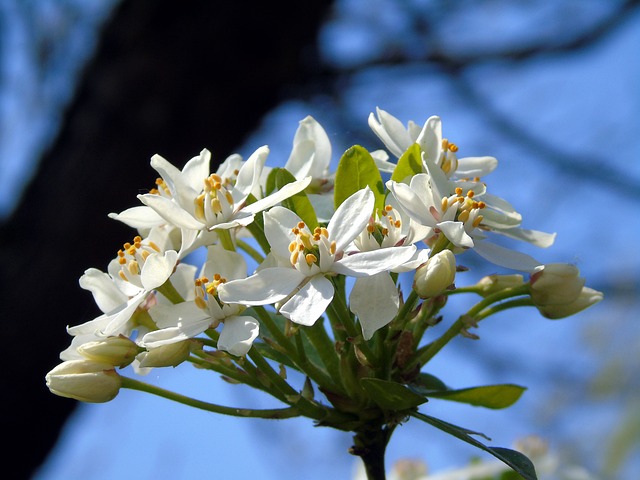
(225, 239)
(370, 444)
(169, 291)
(325, 347)
(519, 302)
(274, 413)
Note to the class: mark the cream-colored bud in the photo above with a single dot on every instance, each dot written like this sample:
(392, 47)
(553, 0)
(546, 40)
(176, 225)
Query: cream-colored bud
(436, 275)
(84, 380)
(170, 355)
(587, 297)
(117, 351)
(495, 283)
(556, 284)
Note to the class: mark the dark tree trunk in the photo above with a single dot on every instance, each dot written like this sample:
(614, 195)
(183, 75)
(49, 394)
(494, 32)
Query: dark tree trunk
(168, 78)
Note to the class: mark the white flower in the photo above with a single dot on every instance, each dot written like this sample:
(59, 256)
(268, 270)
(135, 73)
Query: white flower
(194, 200)
(140, 267)
(375, 299)
(188, 319)
(304, 260)
(439, 150)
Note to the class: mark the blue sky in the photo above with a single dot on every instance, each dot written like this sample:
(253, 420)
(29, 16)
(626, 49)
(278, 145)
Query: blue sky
(581, 108)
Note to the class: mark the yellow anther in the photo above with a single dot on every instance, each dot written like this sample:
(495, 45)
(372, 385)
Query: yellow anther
(211, 289)
(216, 206)
(316, 237)
(325, 232)
(444, 204)
(476, 179)
(122, 260)
(295, 230)
(470, 193)
(371, 228)
(452, 147)
(333, 247)
(132, 251)
(384, 231)
(154, 246)
(137, 239)
(445, 143)
(200, 302)
(458, 190)
(388, 208)
(218, 278)
(460, 200)
(301, 225)
(294, 257)
(481, 205)
(464, 216)
(292, 246)
(126, 246)
(198, 282)
(397, 224)
(229, 197)
(133, 267)
(120, 253)
(145, 254)
(477, 221)
(310, 258)
(123, 276)
(216, 178)
(159, 181)
(236, 172)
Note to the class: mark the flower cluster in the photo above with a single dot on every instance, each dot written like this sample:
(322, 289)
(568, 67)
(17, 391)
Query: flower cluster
(327, 297)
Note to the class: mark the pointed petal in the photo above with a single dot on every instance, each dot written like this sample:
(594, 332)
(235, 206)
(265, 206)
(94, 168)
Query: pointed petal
(267, 286)
(196, 170)
(430, 138)
(456, 233)
(139, 217)
(534, 237)
(105, 293)
(410, 202)
(375, 301)
(249, 175)
(157, 269)
(171, 211)
(307, 305)
(469, 167)
(278, 223)
(238, 334)
(364, 264)
(285, 192)
(351, 218)
(230, 265)
(505, 257)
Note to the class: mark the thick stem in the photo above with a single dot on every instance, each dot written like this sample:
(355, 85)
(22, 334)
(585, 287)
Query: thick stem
(370, 444)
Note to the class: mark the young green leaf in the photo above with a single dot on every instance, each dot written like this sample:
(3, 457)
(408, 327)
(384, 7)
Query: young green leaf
(489, 396)
(298, 203)
(409, 164)
(516, 460)
(391, 395)
(356, 170)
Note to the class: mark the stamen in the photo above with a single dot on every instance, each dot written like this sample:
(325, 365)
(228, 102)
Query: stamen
(459, 190)
(477, 221)
(464, 216)
(310, 258)
(333, 247)
(200, 302)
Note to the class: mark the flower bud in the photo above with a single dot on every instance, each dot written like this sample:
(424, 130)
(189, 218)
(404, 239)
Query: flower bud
(117, 351)
(169, 355)
(434, 276)
(84, 380)
(587, 297)
(556, 284)
(495, 283)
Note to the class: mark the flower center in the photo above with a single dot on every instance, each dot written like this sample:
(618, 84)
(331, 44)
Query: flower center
(132, 257)
(307, 247)
(207, 289)
(382, 231)
(468, 208)
(215, 199)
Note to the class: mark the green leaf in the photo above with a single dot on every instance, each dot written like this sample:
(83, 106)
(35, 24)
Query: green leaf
(298, 203)
(516, 460)
(409, 164)
(489, 396)
(356, 170)
(257, 230)
(391, 395)
(426, 384)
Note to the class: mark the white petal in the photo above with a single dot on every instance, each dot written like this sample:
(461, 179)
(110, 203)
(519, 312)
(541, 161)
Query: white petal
(139, 217)
(430, 138)
(170, 315)
(171, 212)
(157, 269)
(375, 301)
(469, 167)
(249, 175)
(534, 237)
(238, 334)
(230, 265)
(456, 233)
(105, 293)
(411, 203)
(285, 192)
(196, 170)
(505, 257)
(165, 336)
(364, 264)
(391, 131)
(307, 305)
(278, 223)
(267, 286)
(350, 218)
(167, 171)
